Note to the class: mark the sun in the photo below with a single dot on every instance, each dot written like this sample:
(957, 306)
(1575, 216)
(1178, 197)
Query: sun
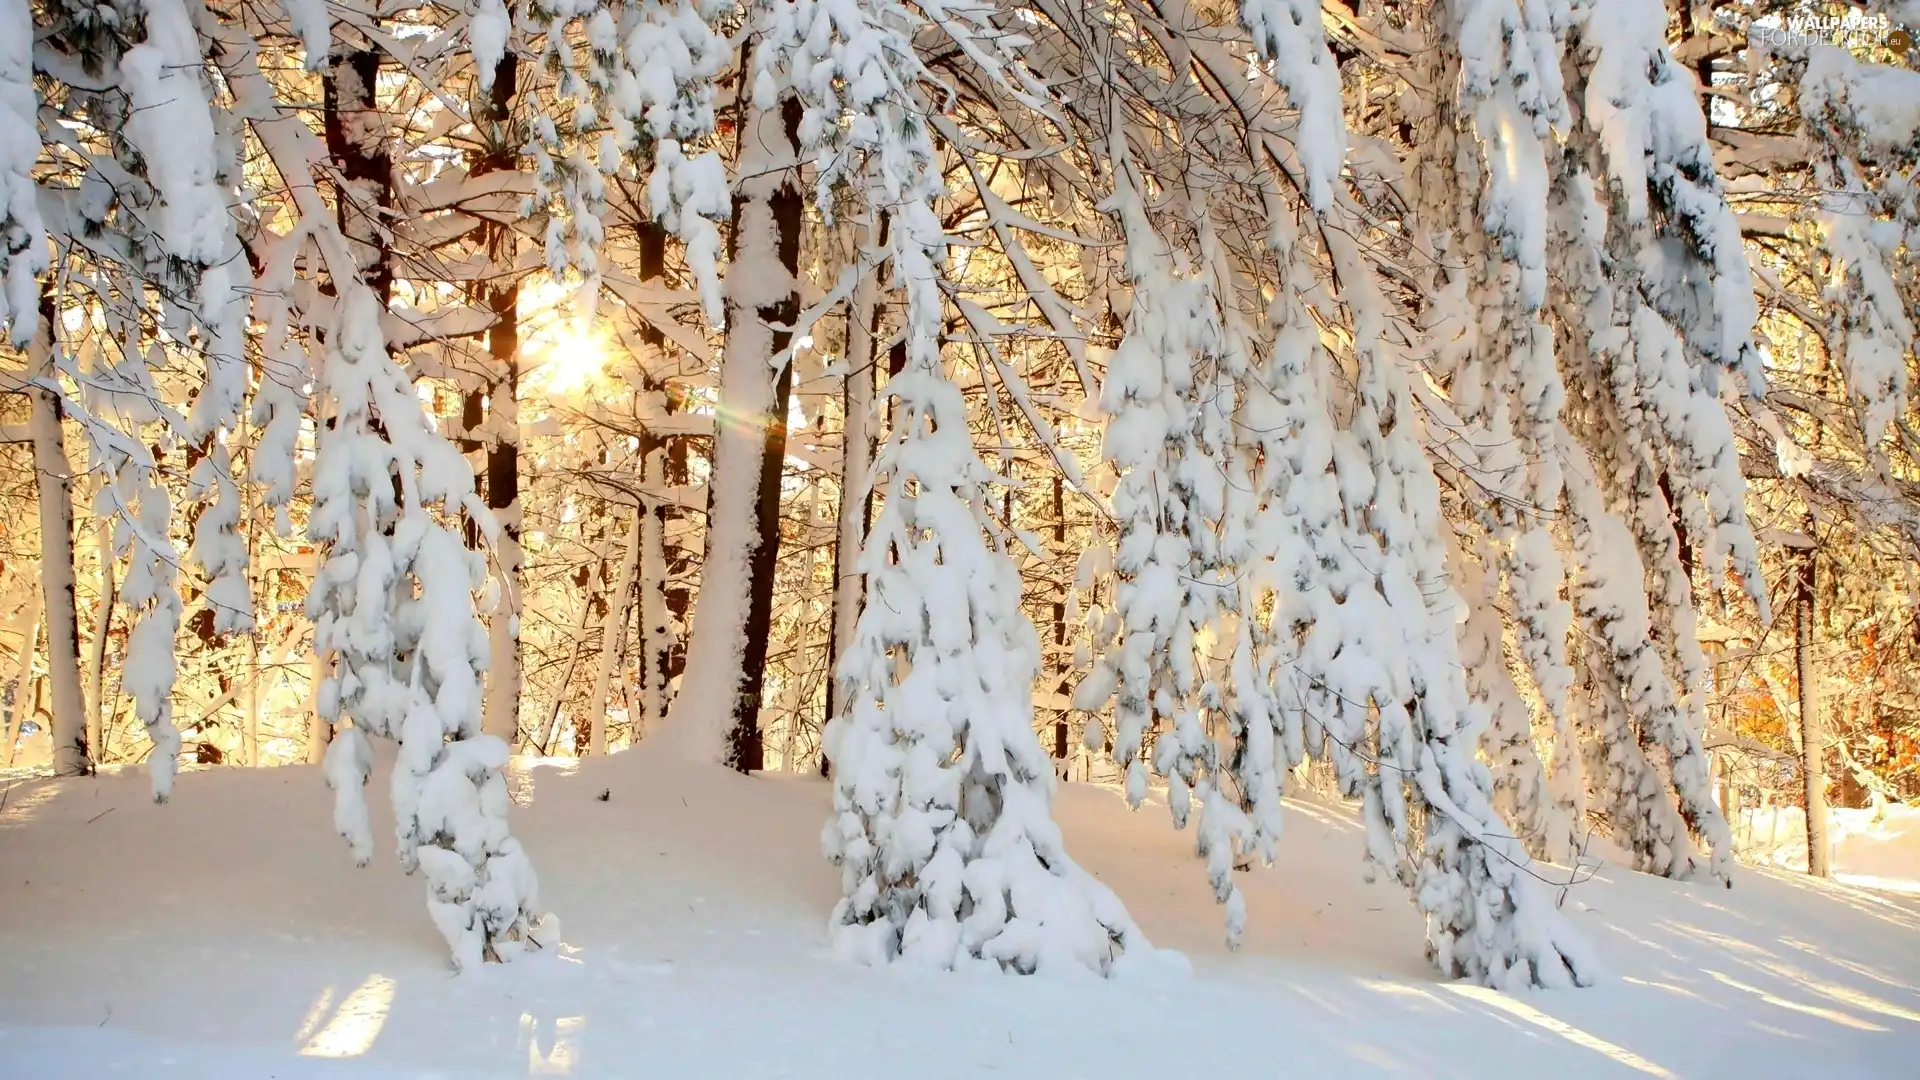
(570, 355)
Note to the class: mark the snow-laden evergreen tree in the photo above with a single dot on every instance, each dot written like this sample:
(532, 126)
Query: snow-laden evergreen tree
(1657, 305)
(1290, 38)
(1482, 185)
(942, 823)
(393, 601)
(640, 89)
(1519, 782)
(1168, 400)
(1490, 918)
(1297, 567)
(152, 220)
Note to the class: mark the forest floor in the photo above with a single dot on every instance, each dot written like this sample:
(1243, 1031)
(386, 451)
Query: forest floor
(227, 936)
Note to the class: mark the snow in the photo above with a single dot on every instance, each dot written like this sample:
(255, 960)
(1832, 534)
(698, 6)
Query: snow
(487, 38)
(1645, 109)
(1877, 104)
(24, 251)
(1289, 35)
(171, 123)
(218, 938)
(313, 25)
(1877, 849)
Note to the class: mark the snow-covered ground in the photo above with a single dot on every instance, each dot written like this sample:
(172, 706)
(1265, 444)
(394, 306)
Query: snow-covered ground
(1876, 849)
(226, 936)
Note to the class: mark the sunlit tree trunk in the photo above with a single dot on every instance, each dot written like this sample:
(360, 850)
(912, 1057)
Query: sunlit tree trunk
(856, 461)
(319, 731)
(54, 480)
(729, 641)
(22, 677)
(97, 651)
(502, 716)
(1812, 737)
(656, 466)
(612, 632)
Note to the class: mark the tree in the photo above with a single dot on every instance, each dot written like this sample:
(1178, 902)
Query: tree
(728, 645)
(941, 824)
(71, 750)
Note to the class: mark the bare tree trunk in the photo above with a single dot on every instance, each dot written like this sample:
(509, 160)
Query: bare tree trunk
(803, 635)
(656, 627)
(23, 676)
(502, 714)
(503, 498)
(612, 631)
(746, 750)
(548, 745)
(1812, 738)
(365, 161)
(97, 653)
(1061, 658)
(856, 461)
(319, 732)
(730, 634)
(896, 363)
(55, 489)
(250, 734)
(656, 465)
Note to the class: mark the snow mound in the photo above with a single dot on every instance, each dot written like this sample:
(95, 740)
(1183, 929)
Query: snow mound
(226, 935)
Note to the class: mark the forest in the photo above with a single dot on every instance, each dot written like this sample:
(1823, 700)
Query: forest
(1491, 415)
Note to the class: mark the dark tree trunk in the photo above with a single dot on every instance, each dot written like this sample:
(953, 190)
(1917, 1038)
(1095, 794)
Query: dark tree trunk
(1812, 739)
(658, 451)
(502, 414)
(896, 363)
(746, 749)
(365, 165)
(1059, 666)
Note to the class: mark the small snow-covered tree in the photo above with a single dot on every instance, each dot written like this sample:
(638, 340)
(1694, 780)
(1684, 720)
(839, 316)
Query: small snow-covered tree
(942, 825)
(1489, 917)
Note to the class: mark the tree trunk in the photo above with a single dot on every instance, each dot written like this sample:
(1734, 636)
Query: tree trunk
(856, 461)
(319, 732)
(55, 491)
(503, 498)
(1061, 661)
(746, 750)
(502, 715)
(730, 633)
(97, 653)
(548, 744)
(250, 734)
(23, 677)
(657, 461)
(896, 363)
(802, 638)
(612, 630)
(1812, 738)
(366, 163)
